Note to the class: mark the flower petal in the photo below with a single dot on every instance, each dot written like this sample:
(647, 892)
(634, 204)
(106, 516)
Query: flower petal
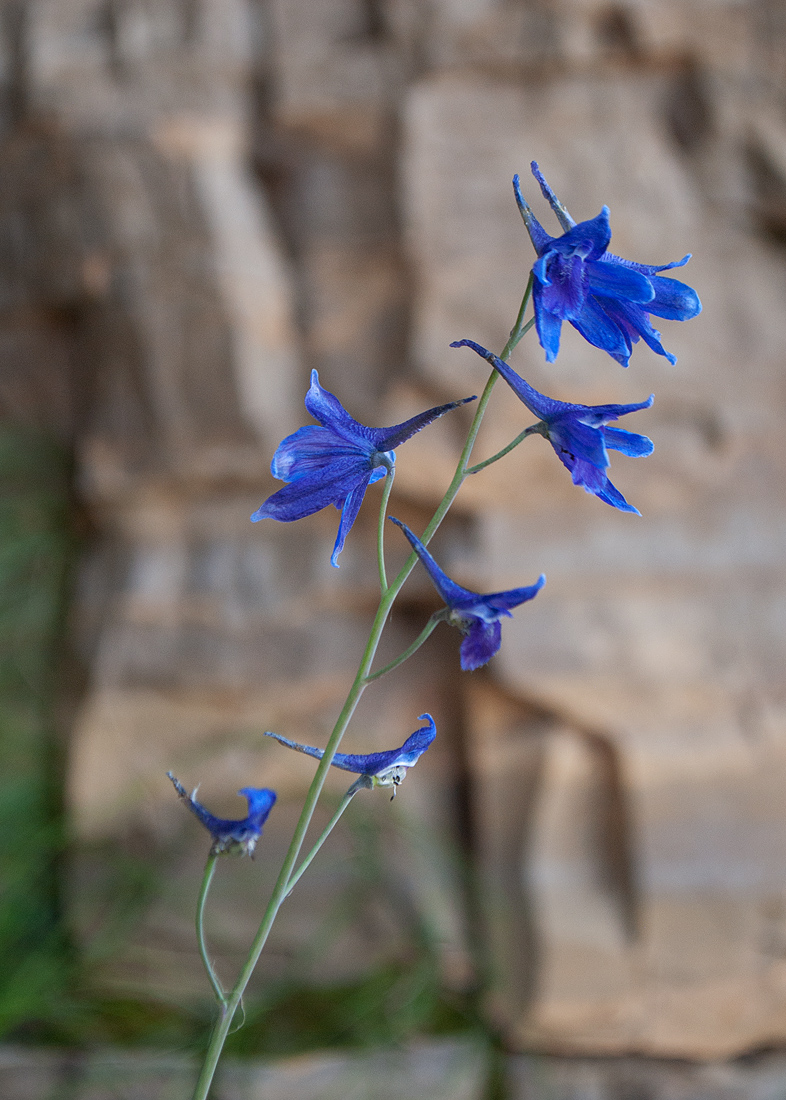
(588, 239)
(307, 495)
(601, 330)
(328, 410)
(566, 290)
(618, 281)
(349, 513)
(628, 443)
(548, 325)
(610, 494)
(480, 643)
(312, 449)
(674, 301)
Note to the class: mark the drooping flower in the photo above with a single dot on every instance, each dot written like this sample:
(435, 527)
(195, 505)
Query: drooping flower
(476, 616)
(335, 461)
(234, 837)
(382, 769)
(607, 299)
(578, 433)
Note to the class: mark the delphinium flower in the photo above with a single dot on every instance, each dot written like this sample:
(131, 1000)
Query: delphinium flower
(378, 769)
(477, 616)
(578, 433)
(335, 461)
(607, 299)
(234, 837)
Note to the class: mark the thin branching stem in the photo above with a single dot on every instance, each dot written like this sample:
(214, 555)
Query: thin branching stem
(389, 594)
(534, 429)
(207, 878)
(383, 511)
(425, 633)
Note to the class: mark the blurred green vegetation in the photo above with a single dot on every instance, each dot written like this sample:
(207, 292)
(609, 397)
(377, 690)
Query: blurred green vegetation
(37, 549)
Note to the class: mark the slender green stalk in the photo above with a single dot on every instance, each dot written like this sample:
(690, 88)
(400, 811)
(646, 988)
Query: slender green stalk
(210, 868)
(425, 633)
(383, 511)
(519, 329)
(533, 429)
(389, 594)
(345, 801)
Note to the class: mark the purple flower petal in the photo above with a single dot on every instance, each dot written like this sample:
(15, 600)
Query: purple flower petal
(480, 643)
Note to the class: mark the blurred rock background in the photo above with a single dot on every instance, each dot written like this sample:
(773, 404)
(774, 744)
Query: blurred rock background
(200, 201)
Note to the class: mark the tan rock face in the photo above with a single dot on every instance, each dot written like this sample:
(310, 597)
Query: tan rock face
(202, 202)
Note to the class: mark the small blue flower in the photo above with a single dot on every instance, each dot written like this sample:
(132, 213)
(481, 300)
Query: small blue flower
(607, 299)
(380, 769)
(235, 837)
(335, 462)
(477, 617)
(578, 433)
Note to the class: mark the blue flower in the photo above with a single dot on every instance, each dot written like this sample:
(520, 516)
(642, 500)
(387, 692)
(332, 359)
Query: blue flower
(235, 837)
(335, 462)
(606, 298)
(477, 617)
(381, 769)
(578, 433)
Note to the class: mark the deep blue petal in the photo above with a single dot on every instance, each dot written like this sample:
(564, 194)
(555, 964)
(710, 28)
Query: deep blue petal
(588, 239)
(453, 594)
(375, 762)
(566, 290)
(635, 321)
(618, 281)
(674, 301)
(313, 449)
(328, 410)
(480, 643)
(260, 803)
(309, 494)
(548, 325)
(349, 513)
(600, 329)
(569, 436)
(385, 439)
(610, 494)
(490, 606)
(628, 443)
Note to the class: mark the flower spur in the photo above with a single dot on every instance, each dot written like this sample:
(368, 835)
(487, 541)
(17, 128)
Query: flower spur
(607, 299)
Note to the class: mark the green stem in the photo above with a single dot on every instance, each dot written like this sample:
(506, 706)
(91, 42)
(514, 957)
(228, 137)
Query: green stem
(389, 594)
(383, 511)
(210, 868)
(532, 430)
(519, 328)
(345, 801)
(425, 633)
